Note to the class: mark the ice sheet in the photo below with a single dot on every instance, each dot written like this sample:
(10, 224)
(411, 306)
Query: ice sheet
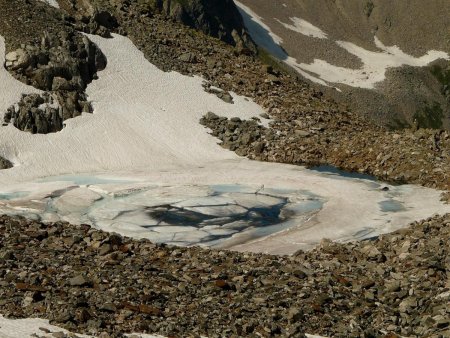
(277, 209)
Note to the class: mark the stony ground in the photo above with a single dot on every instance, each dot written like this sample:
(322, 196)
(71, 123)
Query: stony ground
(91, 281)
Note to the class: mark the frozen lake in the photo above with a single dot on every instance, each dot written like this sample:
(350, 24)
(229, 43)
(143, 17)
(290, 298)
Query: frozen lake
(142, 165)
(276, 208)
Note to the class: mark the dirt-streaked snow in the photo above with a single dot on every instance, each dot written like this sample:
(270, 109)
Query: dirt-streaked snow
(375, 64)
(53, 3)
(304, 27)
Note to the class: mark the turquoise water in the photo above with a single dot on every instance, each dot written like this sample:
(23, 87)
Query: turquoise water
(13, 195)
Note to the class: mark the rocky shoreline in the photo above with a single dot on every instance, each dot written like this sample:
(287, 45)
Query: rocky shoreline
(91, 281)
(410, 156)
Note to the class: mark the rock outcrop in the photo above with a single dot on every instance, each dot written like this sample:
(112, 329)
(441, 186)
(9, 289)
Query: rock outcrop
(61, 64)
(64, 62)
(218, 18)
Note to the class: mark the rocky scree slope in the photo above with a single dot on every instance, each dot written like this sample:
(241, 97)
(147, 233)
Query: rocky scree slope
(90, 281)
(217, 18)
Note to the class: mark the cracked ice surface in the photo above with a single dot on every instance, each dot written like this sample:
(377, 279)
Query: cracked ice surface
(294, 209)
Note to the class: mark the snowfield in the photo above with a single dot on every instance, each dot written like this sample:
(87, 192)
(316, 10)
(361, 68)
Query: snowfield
(322, 72)
(145, 132)
(144, 119)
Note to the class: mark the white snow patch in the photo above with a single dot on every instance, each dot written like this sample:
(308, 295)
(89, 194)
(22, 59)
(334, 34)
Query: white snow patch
(304, 27)
(322, 72)
(53, 3)
(30, 327)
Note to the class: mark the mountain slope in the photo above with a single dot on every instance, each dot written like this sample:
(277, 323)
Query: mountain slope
(356, 50)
